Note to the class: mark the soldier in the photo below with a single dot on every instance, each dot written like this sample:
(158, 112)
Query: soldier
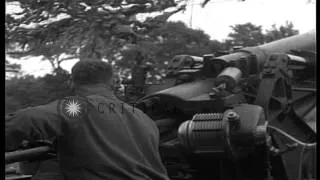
(97, 135)
(137, 87)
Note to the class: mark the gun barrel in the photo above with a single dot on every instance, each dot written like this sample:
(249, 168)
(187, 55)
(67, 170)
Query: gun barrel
(304, 42)
(25, 155)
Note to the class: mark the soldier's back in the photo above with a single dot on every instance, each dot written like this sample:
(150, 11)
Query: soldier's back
(112, 140)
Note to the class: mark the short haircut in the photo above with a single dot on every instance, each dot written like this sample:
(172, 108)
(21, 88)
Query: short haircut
(91, 72)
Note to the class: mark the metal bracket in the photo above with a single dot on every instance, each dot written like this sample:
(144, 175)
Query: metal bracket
(274, 90)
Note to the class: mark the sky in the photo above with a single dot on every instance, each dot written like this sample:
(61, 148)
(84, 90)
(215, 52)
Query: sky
(216, 18)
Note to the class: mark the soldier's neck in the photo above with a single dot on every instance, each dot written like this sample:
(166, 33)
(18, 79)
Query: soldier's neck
(100, 89)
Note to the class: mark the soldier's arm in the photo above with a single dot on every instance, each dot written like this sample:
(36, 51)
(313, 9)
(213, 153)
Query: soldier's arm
(153, 125)
(32, 124)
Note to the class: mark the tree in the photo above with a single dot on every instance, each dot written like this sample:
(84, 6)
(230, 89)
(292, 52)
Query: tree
(30, 91)
(249, 34)
(60, 30)
(246, 34)
(81, 28)
(283, 31)
(19, 93)
(176, 38)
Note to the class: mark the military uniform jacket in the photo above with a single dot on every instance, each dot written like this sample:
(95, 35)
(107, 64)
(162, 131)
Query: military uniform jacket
(98, 137)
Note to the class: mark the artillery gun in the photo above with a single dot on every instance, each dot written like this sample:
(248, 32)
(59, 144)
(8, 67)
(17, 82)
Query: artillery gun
(249, 114)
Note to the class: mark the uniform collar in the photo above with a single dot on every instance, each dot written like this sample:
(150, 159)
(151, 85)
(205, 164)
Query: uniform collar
(101, 90)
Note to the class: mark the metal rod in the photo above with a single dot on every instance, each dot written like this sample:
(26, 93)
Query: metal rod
(305, 89)
(24, 155)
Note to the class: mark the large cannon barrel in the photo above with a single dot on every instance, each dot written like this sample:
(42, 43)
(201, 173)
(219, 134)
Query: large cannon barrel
(306, 42)
(303, 43)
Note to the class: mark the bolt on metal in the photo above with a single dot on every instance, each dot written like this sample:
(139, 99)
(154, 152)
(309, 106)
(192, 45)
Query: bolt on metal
(234, 120)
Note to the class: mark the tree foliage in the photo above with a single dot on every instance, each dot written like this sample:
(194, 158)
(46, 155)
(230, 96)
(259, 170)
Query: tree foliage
(283, 31)
(249, 34)
(30, 91)
(60, 30)
(82, 28)
(246, 34)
